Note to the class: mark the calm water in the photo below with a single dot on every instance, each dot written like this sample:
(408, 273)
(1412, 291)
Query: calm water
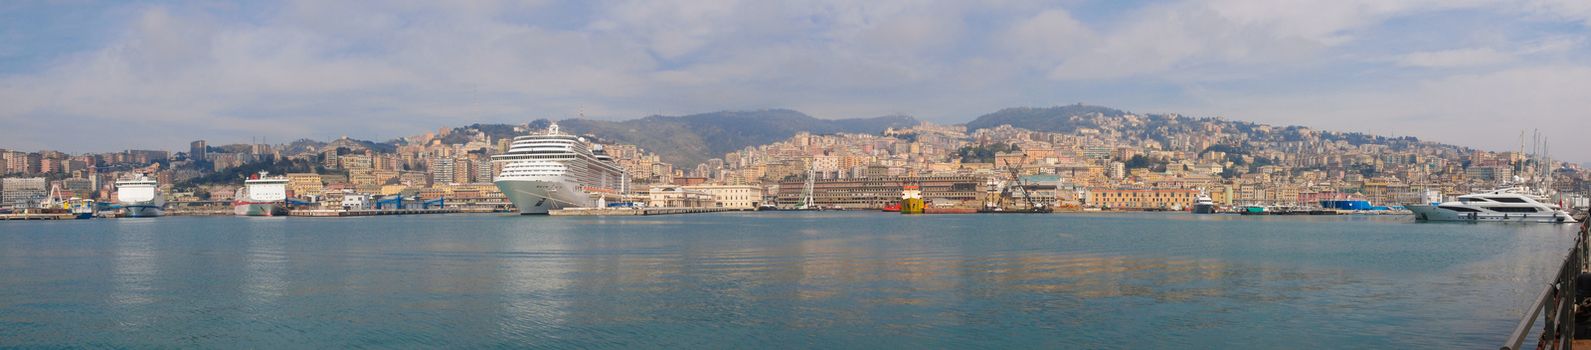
(760, 280)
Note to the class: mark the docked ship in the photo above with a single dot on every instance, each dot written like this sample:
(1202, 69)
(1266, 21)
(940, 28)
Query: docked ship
(1203, 204)
(261, 195)
(911, 200)
(555, 170)
(140, 197)
(1504, 205)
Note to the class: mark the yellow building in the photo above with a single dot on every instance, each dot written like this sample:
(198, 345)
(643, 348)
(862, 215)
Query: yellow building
(1159, 199)
(305, 184)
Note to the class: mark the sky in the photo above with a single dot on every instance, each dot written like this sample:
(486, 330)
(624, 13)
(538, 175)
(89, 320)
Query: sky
(80, 76)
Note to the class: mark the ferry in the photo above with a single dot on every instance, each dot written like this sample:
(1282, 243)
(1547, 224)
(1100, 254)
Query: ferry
(261, 195)
(555, 170)
(140, 197)
(1503, 205)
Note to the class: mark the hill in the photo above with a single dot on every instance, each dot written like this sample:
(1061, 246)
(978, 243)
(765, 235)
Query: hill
(1053, 119)
(692, 139)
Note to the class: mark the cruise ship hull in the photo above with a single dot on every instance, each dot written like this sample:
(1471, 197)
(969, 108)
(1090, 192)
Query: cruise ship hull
(259, 209)
(1204, 208)
(1433, 213)
(142, 210)
(539, 197)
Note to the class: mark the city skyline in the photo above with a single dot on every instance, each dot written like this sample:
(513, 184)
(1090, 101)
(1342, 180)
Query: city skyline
(1529, 141)
(98, 77)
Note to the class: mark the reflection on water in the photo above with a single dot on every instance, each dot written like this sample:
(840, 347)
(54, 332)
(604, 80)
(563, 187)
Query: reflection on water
(134, 264)
(265, 268)
(808, 280)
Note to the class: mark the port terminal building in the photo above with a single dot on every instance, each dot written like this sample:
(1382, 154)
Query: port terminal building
(875, 192)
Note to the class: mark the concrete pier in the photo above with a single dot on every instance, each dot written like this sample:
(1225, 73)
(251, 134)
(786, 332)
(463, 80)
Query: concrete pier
(62, 216)
(634, 211)
(206, 211)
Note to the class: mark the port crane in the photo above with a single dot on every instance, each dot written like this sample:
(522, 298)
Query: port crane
(1017, 184)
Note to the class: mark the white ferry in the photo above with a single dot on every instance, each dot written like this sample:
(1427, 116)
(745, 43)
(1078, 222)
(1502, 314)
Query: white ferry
(261, 195)
(140, 197)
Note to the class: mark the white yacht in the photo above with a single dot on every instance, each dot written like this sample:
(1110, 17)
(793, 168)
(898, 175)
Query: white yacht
(1504, 205)
(1203, 204)
(140, 197)
(554, 170)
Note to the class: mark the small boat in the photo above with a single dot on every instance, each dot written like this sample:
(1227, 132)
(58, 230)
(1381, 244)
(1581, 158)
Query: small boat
(891, 208)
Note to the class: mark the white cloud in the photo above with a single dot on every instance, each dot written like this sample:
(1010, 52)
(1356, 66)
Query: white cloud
(1484, 110)
(1578, 10)
(323, 69)
(1047, 36)
(1165, 37)
(1455, 58)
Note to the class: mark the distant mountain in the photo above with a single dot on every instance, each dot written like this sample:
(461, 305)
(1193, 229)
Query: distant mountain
(1052, 119)
(352, 146)
(692, 139)
(494, 131)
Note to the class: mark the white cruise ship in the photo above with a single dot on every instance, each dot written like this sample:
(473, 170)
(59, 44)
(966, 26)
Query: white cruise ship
(1505, 205)
(140, 197)
(554, 170)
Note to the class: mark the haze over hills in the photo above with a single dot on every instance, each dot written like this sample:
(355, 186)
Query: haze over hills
(693, 139)
(1052, 119)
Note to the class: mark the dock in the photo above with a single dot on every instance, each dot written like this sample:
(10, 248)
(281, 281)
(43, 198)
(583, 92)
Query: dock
(366, 212)
(30, 216)
(634, 211)
(1560, 302)
(206, 211)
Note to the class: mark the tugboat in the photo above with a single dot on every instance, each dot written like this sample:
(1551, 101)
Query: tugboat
(911, 200)
(81, 208)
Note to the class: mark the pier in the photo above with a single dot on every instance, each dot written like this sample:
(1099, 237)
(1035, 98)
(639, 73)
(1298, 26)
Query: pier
(31, 216)
(635, 211)
(366, 212)
(1559, 303)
